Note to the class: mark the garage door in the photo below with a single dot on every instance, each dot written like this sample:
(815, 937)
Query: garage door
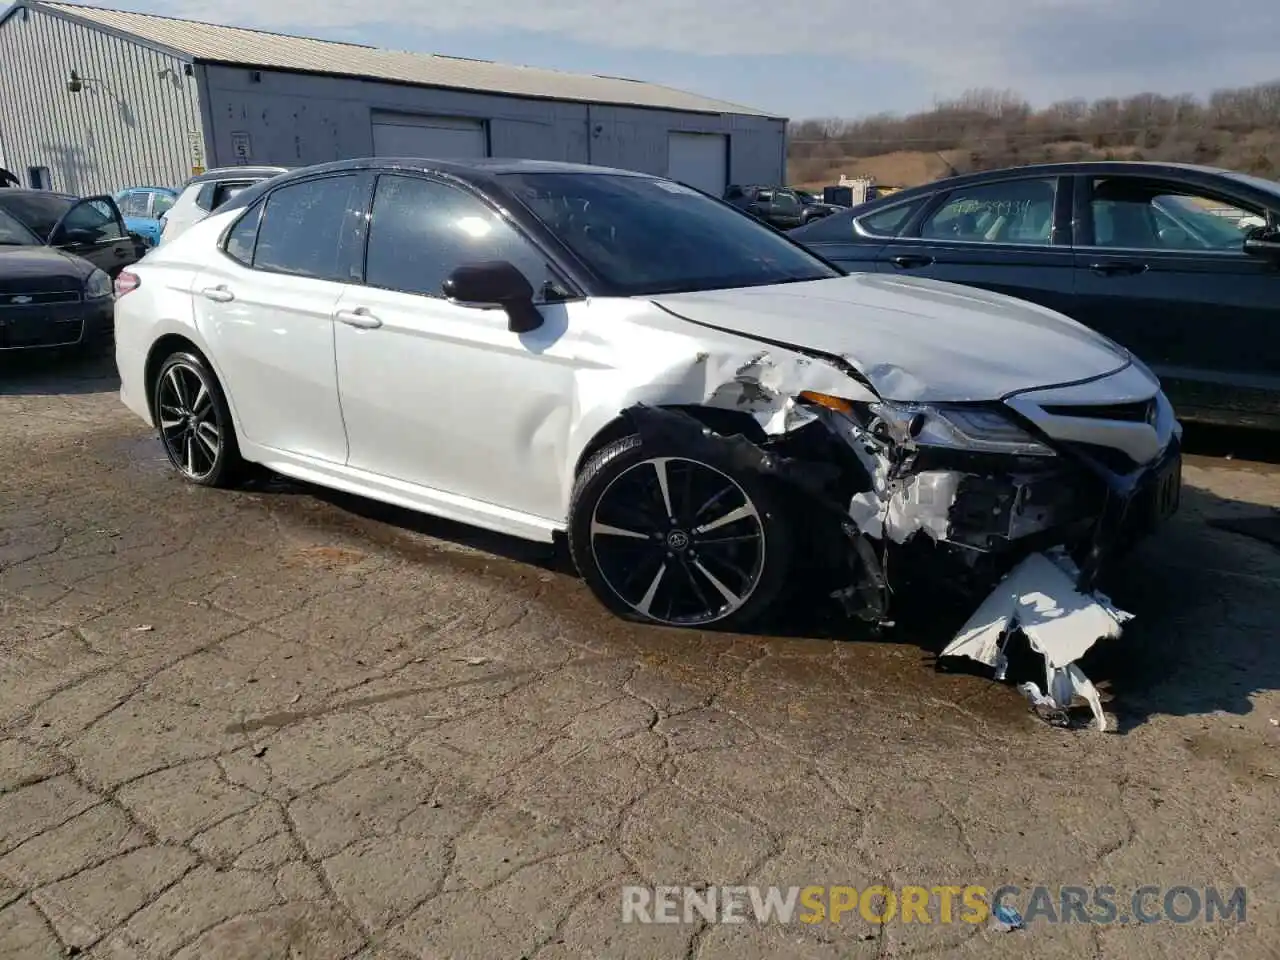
(699, 159)
(440, 138)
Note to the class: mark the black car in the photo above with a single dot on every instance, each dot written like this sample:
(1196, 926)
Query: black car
(779, 207)
(59, 256)
(1179, 263)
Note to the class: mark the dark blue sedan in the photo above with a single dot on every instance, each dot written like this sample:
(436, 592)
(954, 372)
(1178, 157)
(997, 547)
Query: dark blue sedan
(1179, 263)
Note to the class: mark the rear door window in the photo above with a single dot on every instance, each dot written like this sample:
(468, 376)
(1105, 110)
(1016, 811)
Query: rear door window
(134, 204)
(1015, 212)
(302, 229)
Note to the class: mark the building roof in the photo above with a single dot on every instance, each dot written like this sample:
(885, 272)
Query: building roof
(212, 43)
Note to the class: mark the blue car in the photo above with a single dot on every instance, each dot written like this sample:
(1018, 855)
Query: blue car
(142, 208)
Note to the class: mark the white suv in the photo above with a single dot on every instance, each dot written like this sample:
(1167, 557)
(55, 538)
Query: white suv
(204, 193)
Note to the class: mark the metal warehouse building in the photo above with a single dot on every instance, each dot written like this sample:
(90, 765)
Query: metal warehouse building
(93, 100)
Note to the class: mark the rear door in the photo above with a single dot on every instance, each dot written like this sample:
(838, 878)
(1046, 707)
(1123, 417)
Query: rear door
(265, 303)
(94, 229)
(1011, 236)
(1160, 268)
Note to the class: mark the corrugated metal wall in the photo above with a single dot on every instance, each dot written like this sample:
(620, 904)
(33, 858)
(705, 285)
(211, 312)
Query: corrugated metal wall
(292, 119)
(136, 122)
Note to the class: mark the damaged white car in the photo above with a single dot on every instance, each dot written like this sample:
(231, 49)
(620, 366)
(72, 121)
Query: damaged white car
(699, 403)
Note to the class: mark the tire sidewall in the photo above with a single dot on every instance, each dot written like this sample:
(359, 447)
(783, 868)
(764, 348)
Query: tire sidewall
(228, 457)
(609, 463)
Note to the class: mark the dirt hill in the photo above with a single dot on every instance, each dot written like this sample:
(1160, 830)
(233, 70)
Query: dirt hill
(1237, 129)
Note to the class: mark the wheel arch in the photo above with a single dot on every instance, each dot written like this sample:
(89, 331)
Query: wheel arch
(718, 419)
(163, 348)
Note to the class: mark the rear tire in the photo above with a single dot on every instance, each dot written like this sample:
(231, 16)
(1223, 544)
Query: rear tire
(194, 422)
(666, 538)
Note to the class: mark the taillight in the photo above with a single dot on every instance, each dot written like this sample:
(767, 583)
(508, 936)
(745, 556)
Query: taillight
(126, 282)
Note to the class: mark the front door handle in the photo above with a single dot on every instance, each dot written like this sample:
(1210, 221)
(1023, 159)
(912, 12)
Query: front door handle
(359, 317)
(911, 260)
(218, 294)
(1118, 267)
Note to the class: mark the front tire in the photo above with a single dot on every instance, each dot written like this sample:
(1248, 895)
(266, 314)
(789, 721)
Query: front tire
(194, 422)
(667, 538)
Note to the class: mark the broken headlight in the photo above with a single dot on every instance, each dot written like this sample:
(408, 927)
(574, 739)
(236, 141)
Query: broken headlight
(973, 429)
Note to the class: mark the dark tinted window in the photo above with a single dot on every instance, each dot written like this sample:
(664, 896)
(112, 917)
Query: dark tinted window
(421, 231)
(244, 234)
(887, 222)
(40, 212)
(13, 233)
(301, 229)
(1129, 212)
(91, 221)
(644, 235)
(223, 192)
(1016, 211)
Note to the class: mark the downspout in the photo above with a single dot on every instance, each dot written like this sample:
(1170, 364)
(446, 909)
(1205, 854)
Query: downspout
(206, 115)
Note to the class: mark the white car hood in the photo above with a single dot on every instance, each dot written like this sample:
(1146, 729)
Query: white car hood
(914, 339)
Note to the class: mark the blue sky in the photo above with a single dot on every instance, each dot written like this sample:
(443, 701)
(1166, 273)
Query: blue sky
(822, 58)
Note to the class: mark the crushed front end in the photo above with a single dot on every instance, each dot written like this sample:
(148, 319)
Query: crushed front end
(1024, 502)
(1015, 506)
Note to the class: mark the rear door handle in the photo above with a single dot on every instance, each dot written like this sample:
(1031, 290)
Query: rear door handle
(359, 317)
(1118, 267)
(911, 260)
(218, 294)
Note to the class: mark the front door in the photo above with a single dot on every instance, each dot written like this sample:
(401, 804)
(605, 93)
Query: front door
(442, 395)
(1010, 237)
(94, 229)
(1161, 269)
(265, 305)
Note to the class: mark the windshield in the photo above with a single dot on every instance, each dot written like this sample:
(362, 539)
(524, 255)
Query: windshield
(14, 234)
(646, 236)
(38, 211)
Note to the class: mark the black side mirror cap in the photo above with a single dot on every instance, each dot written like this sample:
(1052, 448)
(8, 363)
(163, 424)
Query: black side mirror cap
(495, 283)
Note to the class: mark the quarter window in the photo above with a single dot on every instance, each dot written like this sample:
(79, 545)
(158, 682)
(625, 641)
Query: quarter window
(1130, 213)
(243, 236)
(301, 231)
(888, 222)
(1016, 211)
(422, 230)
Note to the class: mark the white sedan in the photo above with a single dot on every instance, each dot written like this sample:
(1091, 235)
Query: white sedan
(701, 405)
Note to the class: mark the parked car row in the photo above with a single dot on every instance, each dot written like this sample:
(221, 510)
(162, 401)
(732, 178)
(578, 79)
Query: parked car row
(60, 254)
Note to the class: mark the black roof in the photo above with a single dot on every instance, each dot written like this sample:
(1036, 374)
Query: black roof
(481, 166)
(479, 172)
(1183, 171)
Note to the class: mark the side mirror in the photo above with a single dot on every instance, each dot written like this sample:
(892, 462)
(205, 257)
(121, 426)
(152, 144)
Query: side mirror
(1263, 242)
(495, 283)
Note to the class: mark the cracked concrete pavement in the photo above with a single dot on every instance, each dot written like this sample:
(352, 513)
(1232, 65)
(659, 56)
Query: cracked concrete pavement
(281, 723)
